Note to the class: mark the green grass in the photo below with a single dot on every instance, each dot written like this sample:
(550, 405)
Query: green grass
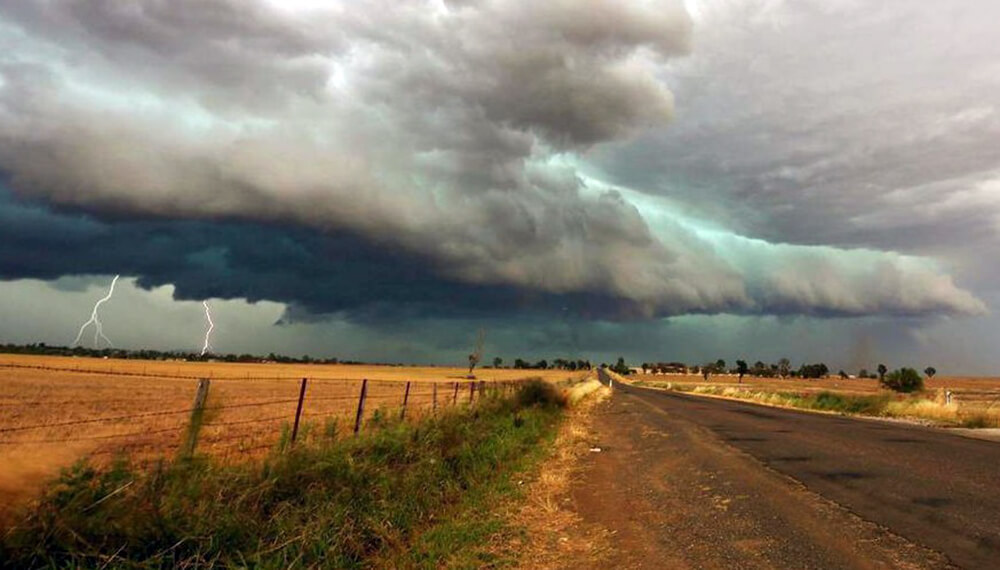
(417, 495)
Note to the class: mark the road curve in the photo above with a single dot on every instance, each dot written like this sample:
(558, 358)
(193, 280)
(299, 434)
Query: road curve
(771, 487)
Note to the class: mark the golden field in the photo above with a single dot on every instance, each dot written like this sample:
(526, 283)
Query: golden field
(56, 410)
(973, 391)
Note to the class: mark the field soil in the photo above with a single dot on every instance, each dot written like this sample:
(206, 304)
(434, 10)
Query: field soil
(56, 410)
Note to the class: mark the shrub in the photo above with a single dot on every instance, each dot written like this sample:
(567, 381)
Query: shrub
(903, 380)
(541, 393)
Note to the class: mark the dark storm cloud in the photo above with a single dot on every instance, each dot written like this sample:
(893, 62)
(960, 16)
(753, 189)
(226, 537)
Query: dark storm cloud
(443, 139)
(316, 273)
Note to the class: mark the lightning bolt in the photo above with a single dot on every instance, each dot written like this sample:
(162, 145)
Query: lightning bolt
(211, 325)
(98, 327)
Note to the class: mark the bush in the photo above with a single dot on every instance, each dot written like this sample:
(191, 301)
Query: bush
(903, 380)
(537, 392)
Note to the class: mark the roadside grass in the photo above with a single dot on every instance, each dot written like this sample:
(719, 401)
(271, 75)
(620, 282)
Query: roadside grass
(402, 495)
(920, 406)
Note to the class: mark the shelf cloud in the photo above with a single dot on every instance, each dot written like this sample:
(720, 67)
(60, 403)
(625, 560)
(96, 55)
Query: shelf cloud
(446, 157)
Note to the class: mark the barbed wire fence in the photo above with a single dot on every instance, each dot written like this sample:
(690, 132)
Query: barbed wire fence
(364, 404)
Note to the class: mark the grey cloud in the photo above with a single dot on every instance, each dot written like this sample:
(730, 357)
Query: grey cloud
(444, 133)
(842, 123)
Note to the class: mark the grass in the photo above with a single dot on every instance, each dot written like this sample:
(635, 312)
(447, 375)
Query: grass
(921, 406)
(406, 494)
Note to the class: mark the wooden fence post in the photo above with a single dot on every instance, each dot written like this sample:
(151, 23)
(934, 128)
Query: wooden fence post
(361, 406)
(197, 415)
(472, 391)
(406, 398)
(434, 404)
(454, 397)
(298, 410)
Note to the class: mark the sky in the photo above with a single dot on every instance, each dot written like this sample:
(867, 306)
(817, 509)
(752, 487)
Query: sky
(375, 180)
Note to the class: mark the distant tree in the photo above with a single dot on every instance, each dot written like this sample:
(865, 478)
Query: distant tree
(741, 369)
(863, 373)
(930, 371)
(720, 366)
(759, 369)
(477, 352)
(813, 370)
(882, 369)
(542, 364)
(706, 370)
(520, 364)
(843, 375)
(784, 366)
(497, 362)
(646, 366)
(903, 380)
(620, 367)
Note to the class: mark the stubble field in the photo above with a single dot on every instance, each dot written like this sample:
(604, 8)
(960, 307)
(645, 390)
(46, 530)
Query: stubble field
(56, 410)
(973, 391)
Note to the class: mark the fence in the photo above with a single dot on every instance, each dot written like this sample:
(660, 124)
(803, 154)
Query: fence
(223, 417)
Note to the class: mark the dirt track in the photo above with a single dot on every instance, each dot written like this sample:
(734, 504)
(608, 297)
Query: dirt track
(683, 482)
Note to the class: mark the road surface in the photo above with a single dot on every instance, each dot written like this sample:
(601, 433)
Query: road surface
(687, 481)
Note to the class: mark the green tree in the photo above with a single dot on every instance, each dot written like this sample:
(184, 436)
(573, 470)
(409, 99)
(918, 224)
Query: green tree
(882, 369)
(720, 366)
(497, 362)
(903, 380)
(930, 371)
(742, 369)
(620, 367)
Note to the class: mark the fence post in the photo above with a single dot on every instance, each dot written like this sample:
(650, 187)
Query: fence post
(434, 405)
(472, 391)
(298, 410)
(406, 398)
(454, 397)
(197, 415)
(361, 406)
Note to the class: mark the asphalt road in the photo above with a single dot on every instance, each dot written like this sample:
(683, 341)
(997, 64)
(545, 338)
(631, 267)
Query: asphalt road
(689, 481)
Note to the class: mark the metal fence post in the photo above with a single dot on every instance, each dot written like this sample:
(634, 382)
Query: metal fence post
(197, 415)
(361, 406)
(406, 398)
(298, 410)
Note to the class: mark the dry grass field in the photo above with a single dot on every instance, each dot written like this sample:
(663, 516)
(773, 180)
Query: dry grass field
(979, 391)
(56, 410)
(975, 401)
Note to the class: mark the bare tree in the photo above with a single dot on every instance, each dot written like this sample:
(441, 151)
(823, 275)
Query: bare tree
(477, 353)
(783, 367)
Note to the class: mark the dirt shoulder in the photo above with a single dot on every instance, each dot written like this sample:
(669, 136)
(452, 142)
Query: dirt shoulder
(551, 533)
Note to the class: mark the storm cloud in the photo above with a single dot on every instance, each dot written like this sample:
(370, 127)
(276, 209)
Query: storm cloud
(443, 157)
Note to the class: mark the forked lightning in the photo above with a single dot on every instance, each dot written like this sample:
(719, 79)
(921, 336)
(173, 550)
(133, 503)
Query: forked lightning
(98, 327)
